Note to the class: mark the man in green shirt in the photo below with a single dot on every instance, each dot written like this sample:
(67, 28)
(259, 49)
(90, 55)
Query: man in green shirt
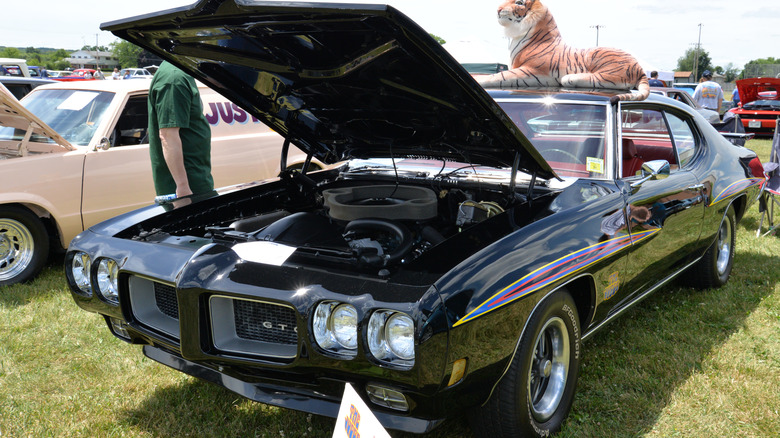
(179, 135)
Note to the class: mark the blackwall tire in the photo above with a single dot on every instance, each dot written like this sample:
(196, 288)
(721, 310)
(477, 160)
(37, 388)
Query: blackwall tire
(714, 269)
(24, 245)
(534, 397)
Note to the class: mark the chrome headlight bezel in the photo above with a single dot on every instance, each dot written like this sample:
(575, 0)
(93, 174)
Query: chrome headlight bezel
(80, 272)
(107, 280)
(388, 345)
(330, 316)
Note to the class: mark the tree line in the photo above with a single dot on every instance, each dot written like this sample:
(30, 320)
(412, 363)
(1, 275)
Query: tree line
(762, 67)
(126, 53)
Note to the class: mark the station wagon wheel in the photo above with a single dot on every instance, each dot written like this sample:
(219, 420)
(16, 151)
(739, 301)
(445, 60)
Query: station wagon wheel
(24, 245)
(714, 269)
(535, 395)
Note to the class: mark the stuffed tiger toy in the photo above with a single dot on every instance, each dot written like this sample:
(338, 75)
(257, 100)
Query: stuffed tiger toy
(540, 58)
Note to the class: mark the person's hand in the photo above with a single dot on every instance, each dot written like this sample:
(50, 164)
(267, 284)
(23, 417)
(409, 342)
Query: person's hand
(183, 191)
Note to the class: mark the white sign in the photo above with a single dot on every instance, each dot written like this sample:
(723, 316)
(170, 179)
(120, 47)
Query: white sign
(355, 420)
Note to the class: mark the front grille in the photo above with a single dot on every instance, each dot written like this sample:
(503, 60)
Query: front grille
(154, 305)
(253, 327)
(758, 116)
(165, 298)
(265, 322)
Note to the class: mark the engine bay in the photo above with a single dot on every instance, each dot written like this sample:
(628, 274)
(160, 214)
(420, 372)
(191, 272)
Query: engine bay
(373, 225)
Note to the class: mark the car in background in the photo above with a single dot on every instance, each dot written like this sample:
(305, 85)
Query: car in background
(79, 74)
(87, 159)
(58, 73)
(688, 87)
(135, 73)
(760, 107)
(14, 67)
(453, 265)
(683, 96)
(20, 86)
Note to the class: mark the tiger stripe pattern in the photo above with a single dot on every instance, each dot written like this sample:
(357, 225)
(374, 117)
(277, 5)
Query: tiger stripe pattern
(540, 58)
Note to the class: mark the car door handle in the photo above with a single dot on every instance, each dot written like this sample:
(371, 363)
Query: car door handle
(697, 187)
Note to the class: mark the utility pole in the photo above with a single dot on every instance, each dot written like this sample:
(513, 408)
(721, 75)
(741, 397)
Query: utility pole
(597, 27)
(696, 60)
(97, 51)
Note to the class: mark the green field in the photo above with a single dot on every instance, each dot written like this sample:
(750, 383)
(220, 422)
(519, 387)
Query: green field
(684, 362)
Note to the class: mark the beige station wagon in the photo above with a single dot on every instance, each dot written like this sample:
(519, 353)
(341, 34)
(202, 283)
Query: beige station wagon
(75, 154)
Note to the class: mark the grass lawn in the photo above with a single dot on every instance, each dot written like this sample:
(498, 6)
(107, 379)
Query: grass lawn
(682, 363)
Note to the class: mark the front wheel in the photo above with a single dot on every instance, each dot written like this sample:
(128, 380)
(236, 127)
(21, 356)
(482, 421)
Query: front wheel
(24, 245)
(535, 395)
(714, 269)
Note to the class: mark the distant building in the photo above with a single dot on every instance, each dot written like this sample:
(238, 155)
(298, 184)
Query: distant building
(684, 77)
(93, 59)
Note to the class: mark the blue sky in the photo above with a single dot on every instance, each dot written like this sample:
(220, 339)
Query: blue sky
(656, 32)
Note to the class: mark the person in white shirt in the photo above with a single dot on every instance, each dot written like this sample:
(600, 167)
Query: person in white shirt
(708, 93)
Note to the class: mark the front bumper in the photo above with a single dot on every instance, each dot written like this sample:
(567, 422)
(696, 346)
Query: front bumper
(280, 395)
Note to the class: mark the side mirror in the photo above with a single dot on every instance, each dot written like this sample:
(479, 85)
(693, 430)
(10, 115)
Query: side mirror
(104, 144)
(656, 169)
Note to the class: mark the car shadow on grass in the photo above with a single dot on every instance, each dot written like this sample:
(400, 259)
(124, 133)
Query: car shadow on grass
(629, 372)
(200, 409)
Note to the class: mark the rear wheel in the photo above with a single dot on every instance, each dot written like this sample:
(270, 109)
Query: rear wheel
(534, 397)
(714, 269)
(24, 245)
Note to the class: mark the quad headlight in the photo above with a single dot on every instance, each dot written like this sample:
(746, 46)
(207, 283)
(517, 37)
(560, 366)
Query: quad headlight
(107, 280)
(335, 327)
(391, 337)
(389, 333)
(79, 269)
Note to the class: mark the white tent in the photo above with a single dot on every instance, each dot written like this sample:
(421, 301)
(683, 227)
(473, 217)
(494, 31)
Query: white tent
(664, 75)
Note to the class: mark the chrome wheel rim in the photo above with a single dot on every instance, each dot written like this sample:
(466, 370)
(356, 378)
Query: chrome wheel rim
(16, 248)
(724, 246)
(549, 369)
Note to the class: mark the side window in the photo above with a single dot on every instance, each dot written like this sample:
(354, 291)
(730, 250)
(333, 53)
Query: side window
(684, 140)
(132, 124)
(651, 134)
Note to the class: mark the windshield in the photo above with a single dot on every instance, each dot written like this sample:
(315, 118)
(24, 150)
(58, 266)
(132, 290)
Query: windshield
(773, 105)
(74, 114)
(570, 136)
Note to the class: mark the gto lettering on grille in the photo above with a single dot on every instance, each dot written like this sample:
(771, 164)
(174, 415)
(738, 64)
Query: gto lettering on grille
(282, 327)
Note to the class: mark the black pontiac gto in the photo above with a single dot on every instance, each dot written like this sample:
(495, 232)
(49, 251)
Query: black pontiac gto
(454, 257)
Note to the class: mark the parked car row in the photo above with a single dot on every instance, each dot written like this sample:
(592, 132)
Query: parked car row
(452, 265)
(73, 154)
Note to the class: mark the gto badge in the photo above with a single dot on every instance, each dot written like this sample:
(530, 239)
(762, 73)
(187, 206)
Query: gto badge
(613, 286)
(282, 327)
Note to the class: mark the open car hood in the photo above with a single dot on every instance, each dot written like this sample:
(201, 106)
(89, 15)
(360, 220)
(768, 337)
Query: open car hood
(339, 80)
(15, 115)
(750, 88)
